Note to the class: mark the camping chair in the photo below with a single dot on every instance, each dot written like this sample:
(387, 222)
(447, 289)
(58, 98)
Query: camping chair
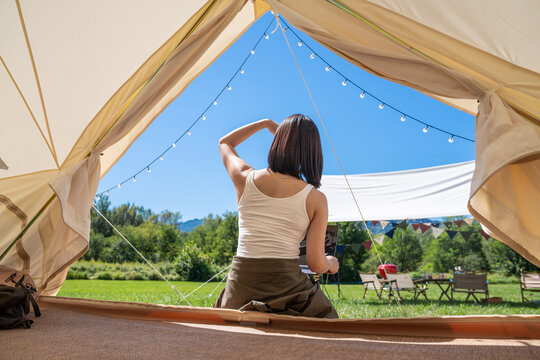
(404, 282)
(470, 284)
(371, 282)
(529, 282)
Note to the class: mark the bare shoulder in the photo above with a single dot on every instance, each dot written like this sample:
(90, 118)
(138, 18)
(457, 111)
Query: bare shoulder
(316, 201)
(316, 197)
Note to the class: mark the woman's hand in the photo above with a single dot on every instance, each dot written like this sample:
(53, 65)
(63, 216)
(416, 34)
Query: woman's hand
(333, 264)
(271, 126)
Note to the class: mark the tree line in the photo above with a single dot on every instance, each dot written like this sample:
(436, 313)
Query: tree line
(209, 247)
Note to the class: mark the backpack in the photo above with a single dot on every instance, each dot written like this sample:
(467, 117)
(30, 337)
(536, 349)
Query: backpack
(17, 292)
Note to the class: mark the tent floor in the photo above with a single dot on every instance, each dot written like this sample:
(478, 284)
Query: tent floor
(67, 334)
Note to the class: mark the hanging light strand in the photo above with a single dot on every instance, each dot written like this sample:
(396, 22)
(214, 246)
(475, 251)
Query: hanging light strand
(148, 167)
(364, 92)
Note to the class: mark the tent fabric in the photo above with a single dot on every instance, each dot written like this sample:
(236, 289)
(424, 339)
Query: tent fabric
(504, 194)
(77, 90)
(106, 336)
(474, 326)
(82, 89)
(410, 194)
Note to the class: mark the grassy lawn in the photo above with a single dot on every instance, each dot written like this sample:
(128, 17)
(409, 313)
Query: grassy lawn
(349, 305)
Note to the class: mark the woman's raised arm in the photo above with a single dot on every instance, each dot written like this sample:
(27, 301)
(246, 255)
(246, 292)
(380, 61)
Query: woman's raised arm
(236, 167)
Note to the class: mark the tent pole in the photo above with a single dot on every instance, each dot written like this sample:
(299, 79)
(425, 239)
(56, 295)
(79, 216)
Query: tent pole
(23, 231)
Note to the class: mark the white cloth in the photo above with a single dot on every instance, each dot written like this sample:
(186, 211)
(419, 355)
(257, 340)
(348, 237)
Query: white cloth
(411, 194)
(271, 227)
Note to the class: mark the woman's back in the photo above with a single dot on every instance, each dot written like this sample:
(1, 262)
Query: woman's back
(272, 215)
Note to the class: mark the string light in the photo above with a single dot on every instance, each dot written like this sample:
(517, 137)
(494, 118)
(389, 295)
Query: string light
(425, 129)
(119, 186)
(240, 70)
(312, 56)
(97, 198)
(344, 83)
(134, 179)
(299, 43)
(451, 140)
(382, 104)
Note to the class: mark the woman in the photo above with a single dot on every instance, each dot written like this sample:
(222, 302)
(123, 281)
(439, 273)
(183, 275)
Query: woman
(277, 208)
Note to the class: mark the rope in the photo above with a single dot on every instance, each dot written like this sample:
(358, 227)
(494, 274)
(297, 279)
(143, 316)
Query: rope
(141, 255)
(333, 149)
(218, 285)
(207, 281)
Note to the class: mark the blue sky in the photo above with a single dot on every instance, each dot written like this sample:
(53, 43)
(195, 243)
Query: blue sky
(191, 178)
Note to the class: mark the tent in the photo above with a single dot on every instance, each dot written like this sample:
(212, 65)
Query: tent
(80, 81)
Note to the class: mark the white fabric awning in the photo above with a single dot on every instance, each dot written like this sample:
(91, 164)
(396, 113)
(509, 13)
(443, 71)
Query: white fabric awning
(410, 194)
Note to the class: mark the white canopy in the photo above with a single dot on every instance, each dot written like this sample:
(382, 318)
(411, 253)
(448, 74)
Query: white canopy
(81, 80)
(410, 194)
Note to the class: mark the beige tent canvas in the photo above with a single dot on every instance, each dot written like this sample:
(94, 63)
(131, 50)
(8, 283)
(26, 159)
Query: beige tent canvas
(80, 81)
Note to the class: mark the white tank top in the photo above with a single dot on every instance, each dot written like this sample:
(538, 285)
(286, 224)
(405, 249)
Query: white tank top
(271, 227)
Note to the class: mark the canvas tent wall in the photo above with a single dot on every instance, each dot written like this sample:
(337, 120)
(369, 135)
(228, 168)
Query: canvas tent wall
(80, 81)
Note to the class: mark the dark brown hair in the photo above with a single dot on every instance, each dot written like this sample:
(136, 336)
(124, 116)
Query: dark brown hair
(296, 150)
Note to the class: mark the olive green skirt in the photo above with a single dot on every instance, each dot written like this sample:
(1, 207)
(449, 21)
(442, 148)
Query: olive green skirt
(273, 285)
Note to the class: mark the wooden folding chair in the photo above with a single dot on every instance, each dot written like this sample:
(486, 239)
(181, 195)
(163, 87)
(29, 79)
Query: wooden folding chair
(404, 282)
(529, 282)
(470, 284)
(371, 282)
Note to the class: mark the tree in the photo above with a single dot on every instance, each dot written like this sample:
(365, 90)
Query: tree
(351, 233)
(403, 250)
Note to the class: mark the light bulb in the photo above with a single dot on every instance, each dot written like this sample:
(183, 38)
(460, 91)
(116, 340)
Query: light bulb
(229, 87)
(363, 95)
(242, 71)
(252, 52)
(148, 169)
(299, 43)
(173, 144)
(266, 36)
(425, 129)
(134, 179)
(97, 198)
(108, 193)
(451, 140)
(119, 186)
(344, 83)
(161, 157)
(215, 103)
(381, 106)
(403, 118)
(203, 117)
(189, 133)
(312, 56)
(327, 68)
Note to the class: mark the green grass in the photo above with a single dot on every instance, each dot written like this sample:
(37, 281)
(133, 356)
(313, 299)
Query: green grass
(349, 305)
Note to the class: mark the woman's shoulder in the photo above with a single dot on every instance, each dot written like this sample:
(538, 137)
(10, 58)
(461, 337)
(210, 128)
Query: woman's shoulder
(316, 198)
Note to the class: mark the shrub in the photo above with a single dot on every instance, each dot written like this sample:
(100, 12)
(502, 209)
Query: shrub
(192, 265)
